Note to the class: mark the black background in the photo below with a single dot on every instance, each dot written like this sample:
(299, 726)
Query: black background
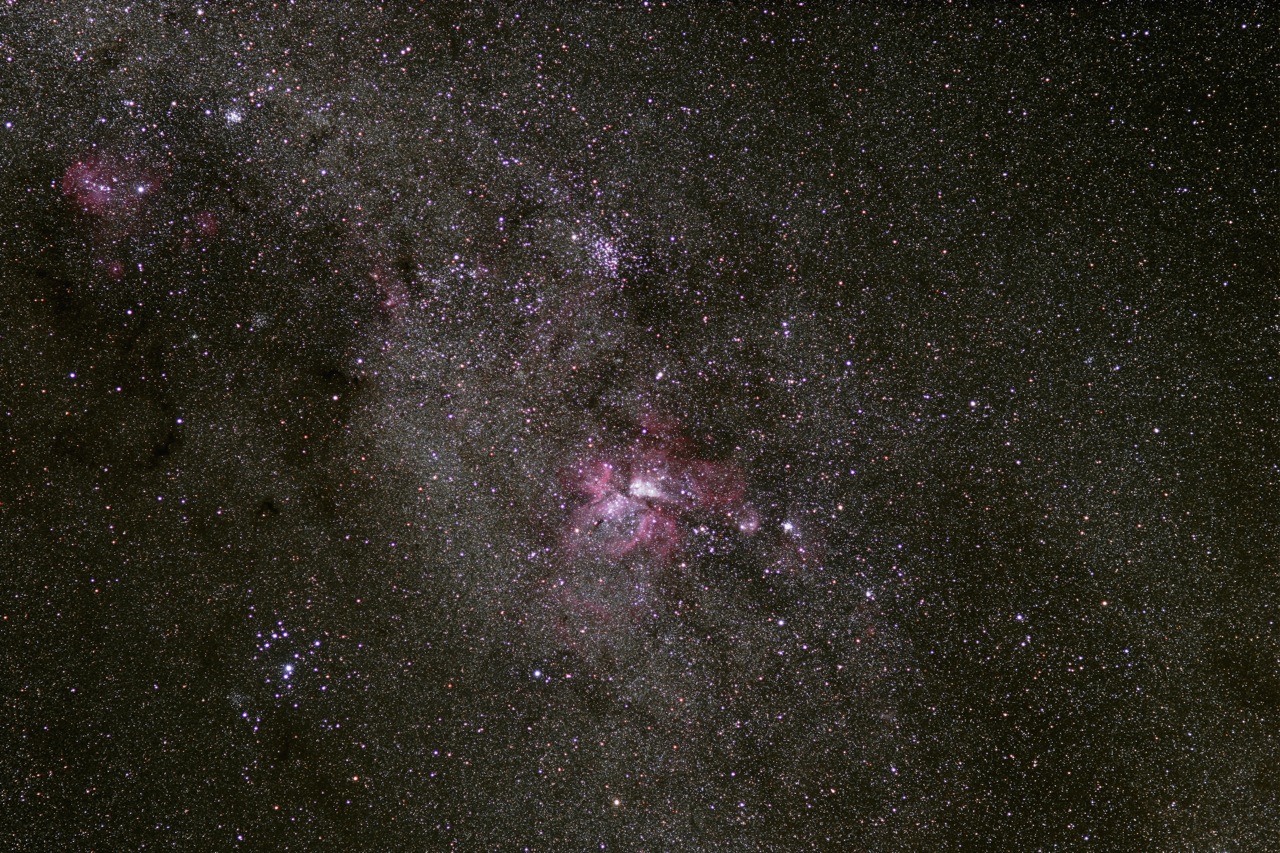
(982, 301)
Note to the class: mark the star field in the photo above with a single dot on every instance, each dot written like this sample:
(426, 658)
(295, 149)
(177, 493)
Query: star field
(639, 428)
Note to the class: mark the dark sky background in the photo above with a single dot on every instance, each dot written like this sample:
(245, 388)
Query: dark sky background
(656, 428)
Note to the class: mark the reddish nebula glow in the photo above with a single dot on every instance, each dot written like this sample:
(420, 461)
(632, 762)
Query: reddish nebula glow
(641, 499)
(108, 186)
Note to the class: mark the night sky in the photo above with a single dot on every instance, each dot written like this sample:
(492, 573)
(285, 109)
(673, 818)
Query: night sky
(639, 427)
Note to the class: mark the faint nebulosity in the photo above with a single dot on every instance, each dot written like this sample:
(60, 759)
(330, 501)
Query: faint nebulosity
(639, 427)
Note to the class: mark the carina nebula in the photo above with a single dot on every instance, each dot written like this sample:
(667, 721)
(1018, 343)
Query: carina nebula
(643, 498)
(660, 544)
(639, 517)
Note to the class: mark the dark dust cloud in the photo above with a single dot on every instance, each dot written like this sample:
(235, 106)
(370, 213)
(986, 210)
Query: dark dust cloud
(643, 428)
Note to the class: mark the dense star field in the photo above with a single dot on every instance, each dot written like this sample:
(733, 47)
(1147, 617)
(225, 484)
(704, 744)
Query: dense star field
(639, 427)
